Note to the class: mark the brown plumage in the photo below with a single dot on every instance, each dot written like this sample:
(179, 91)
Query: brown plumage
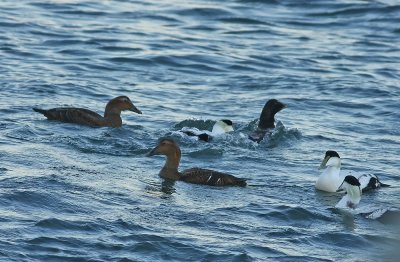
(112, 114)
(171, 150)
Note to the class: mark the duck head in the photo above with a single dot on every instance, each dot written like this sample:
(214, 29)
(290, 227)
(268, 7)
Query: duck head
(121, 103)
(274, 105)
(167, 147)
(267, 117)
(331, 159)
(353, 191)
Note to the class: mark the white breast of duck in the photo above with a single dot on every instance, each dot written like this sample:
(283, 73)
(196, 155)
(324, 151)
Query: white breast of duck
(221, 127)
(330, 178)
(353, 193)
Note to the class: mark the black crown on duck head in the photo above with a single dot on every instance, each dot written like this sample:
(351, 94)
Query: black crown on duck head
(352, 180)
(331, 153)
(227, 121)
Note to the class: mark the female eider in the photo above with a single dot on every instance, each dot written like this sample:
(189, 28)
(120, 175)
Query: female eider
(112, 114)
(171, 150)
(332, 177)
(220, 127)
(352, 186)
(267, 119)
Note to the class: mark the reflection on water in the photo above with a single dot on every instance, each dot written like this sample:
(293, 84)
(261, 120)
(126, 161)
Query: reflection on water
(167, 186)
(347, 217)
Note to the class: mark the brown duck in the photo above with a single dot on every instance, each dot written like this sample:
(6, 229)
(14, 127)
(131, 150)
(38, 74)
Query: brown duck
(267, 119)
(112, 114)
(171, 150)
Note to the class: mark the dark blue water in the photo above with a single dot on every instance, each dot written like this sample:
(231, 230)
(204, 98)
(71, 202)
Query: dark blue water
(75, 193)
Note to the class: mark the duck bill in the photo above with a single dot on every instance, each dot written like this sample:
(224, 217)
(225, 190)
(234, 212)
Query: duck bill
(283, 106)
(340, 188)
(229, 129)
(135, 109)
(153, 152)
(323, 164)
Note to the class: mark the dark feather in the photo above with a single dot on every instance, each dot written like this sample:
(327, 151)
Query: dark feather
(210, 177)
(204, 137)
(73, 115)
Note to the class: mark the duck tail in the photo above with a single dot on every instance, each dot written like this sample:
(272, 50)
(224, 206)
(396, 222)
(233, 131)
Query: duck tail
(380, 184)
(384, 185)
(241, 182)
(42, 111)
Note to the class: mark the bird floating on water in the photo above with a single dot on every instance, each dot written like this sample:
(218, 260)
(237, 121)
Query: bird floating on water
(332, 176)
(82, 116)
(220, 127)
(171, 150)
(352, 198)
(353, 193)
(267, 119)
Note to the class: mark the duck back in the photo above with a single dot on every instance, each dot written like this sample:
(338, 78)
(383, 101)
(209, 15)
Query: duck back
(73, 115)
(210, 177)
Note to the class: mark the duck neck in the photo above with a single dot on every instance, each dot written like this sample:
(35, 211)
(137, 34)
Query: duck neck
(170, 169)
(332, 171)
(111, 110)
(354, 195)
(113, 115)
(267, 119)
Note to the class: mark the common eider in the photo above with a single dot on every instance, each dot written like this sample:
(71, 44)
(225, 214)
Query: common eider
(112, 114)
(332, 176)
(171, 150)
(353, 193)
(220, 127)
(352, 198)
(267, 119)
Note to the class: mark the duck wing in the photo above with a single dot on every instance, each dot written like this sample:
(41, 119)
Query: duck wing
(73, 115)
(210, 177)
(370, 181)
(203, 136)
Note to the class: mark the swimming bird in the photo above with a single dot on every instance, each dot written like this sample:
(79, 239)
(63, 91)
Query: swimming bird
(112, 114)
(332, 176)
(353, 193)
(267, 119)
(171, 150)
(220, 127)
(352, 186)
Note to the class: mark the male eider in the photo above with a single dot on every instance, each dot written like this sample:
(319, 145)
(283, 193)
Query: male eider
(220, 127)
(112, 114)
(171, 150)
(332, 176)
(267, 119)
(353, 193)
(352, 186)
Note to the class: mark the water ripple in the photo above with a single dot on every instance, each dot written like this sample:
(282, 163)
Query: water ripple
(77, 193)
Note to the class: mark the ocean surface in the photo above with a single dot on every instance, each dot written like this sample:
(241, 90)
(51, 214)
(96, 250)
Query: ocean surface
(77, 193)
